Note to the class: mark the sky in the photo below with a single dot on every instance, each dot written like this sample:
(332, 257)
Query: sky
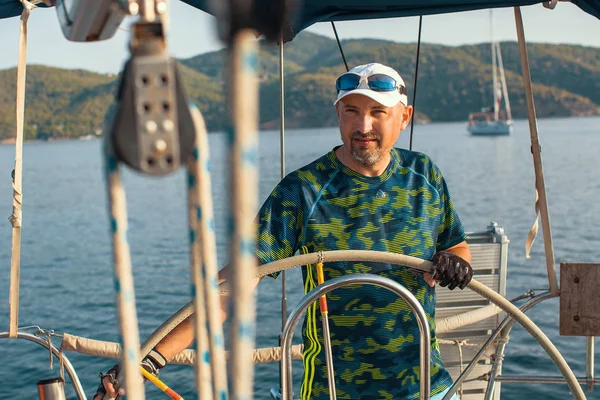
(192, 32)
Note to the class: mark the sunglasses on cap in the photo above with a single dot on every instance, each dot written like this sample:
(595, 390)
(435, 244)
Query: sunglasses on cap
(375, 82)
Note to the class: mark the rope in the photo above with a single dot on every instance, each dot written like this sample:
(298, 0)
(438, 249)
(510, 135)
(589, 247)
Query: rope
(204, 269)
(244, 199)
(123, 278)
(17, 177)
(61, 358)
(459, 344)
(465, 343)
(49, 341)
(533, 231)
(418, 57)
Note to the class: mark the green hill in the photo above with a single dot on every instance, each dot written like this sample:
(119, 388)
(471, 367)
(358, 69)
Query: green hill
(453, 81)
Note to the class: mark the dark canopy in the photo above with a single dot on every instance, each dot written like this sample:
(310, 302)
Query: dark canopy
(312, 11)
(12, 8)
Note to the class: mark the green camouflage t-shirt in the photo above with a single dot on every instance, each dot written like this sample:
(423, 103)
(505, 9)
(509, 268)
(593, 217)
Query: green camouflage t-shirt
(374, 335)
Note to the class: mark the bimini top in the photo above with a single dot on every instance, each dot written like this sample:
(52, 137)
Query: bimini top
(312, 11)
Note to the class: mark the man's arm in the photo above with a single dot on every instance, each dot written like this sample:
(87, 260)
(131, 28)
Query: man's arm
(182, 336)
(462, 250)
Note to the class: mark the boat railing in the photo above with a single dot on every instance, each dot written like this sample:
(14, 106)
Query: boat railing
(332, 284)
(65, 364)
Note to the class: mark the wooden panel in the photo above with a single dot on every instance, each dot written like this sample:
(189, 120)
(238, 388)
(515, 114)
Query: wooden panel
(579, 300)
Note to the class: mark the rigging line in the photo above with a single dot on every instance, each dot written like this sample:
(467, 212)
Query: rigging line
(282, 154)
(337, 38)
(243, 93)
(123, 277)
(204, 267)
(17, 177)
(282, 173)
(412, 123)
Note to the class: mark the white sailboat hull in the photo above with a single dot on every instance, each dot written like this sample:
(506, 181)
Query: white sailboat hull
(491, 128)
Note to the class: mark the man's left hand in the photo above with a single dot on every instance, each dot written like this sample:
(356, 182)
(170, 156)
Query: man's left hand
(450, 270)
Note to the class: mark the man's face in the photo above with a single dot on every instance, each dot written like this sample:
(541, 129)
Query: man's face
(369, 130)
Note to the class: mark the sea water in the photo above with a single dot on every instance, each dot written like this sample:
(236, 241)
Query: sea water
(66, 263)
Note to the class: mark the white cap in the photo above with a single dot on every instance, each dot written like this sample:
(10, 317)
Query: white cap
(387, 99)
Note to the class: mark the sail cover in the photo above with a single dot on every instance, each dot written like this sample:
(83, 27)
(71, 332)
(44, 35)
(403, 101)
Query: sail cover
(312, 11)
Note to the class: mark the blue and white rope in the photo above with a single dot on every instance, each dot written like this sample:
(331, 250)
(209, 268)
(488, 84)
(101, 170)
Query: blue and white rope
(123, 279)
(211, 352)
(244, 198)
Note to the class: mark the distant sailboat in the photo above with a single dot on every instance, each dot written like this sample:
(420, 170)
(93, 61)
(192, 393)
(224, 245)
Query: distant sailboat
(492, 121)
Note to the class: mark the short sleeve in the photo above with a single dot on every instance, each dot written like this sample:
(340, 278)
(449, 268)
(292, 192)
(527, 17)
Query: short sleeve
(451, 231)
(279, 222)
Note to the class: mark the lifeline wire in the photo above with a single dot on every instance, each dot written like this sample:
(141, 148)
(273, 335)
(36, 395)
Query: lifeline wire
(282, 174)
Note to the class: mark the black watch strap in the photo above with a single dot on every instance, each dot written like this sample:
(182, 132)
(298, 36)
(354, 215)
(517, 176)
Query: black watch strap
(157, 359)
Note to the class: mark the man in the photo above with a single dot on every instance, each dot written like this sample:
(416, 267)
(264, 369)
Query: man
(365, 195)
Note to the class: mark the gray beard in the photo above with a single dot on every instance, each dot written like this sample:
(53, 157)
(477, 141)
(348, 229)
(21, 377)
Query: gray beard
(368, 158)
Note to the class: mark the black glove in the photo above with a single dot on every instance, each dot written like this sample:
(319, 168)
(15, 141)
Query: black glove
(110, 374)
(152, 363)
(451, 270)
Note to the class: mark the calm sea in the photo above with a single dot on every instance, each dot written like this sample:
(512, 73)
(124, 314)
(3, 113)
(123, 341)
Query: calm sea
(66, 276)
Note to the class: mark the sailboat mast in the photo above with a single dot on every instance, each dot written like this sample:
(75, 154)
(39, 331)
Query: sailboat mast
(503, 82)
(494, 72)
